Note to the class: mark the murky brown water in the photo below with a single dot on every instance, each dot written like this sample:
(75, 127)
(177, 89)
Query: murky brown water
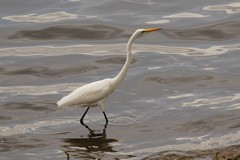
(180, 99)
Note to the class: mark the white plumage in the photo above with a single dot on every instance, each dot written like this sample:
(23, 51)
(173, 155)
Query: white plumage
(89, 94)
(94, 94)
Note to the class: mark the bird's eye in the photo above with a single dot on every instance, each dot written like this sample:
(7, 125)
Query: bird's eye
(143, 32)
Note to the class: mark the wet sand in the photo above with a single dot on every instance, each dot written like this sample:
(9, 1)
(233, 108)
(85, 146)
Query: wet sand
(228, 153)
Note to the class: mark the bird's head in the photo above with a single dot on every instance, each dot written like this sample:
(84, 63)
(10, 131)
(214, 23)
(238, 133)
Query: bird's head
(140, 32)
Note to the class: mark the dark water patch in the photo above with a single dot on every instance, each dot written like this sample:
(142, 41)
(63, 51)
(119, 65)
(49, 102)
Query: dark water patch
(228, 153)
(30, 106)
(5, 118)
(169, 80)
(91, 32)
(237, 125)
(196, 126)
(115, 60)
(11, 144)
(189, 79)
(45, 72)
(229, 119)
(216, 32)
(95, 145)
(114, 6)
(94, 142)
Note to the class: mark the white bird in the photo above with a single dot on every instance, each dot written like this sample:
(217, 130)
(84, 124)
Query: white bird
(95, 93)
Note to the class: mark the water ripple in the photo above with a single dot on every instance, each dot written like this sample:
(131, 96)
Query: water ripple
(231, 8)
(212, 101)
(192, 79)
(115, 60)
(186, 15)
(45, 72)
(39, 90)
(224, 140)
(161, 21)
(8, 144)
(35, 127)
(42, 18)
(71, 32)
(117, 49)
(181, 96)
(217, 32)
(29, 106)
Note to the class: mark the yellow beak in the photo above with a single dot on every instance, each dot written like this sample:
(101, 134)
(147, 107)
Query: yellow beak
(151, 29)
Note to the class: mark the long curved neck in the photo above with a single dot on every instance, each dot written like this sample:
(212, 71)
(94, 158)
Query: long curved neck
(119, 78)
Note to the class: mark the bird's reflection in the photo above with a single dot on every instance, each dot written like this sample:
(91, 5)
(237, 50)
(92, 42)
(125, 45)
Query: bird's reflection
(92, 131)
(94, 142)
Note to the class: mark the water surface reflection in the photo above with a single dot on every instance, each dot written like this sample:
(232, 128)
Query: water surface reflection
(71, 32)
(216, 32)
(92, 146)
(46, 72)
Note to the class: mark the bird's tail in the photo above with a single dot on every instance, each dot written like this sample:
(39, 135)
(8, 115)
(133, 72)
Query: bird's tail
(65, 102)
(61, 103)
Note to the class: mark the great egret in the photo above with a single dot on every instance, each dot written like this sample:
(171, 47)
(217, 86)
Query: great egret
(95, 93)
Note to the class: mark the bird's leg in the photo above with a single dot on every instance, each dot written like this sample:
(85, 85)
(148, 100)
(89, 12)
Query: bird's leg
(106, 119)
(81, 120)
(67, 154)
(100, 104)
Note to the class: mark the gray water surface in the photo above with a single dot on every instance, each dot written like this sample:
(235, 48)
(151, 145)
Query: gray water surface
(181, 93)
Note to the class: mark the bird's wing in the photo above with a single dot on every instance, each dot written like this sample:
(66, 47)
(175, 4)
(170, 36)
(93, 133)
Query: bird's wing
(88, 94)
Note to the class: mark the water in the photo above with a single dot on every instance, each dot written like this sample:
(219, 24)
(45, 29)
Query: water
(180, 95)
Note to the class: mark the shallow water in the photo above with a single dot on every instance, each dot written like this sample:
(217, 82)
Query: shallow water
(180, 94)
